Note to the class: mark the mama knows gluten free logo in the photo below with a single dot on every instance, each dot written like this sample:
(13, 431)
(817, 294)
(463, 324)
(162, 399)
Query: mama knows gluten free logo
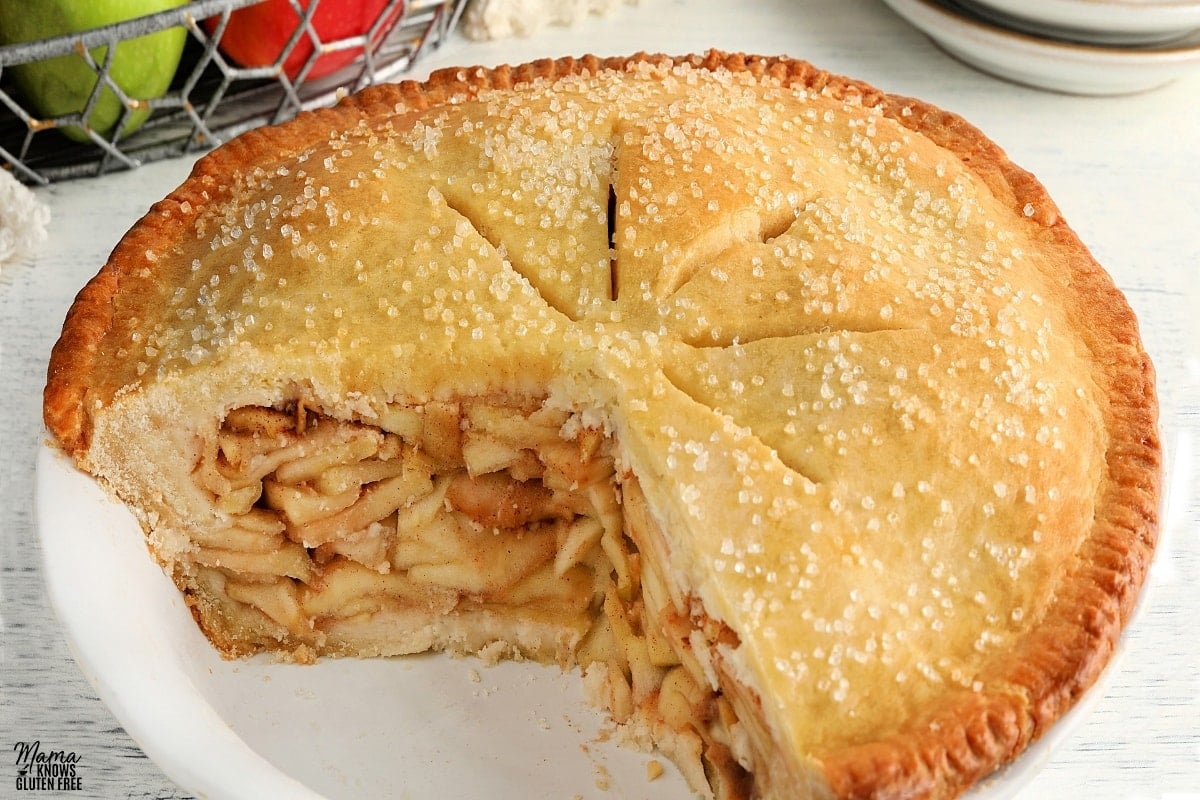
(46, 770)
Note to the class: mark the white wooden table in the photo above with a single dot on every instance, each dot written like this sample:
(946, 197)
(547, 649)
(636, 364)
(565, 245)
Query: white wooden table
(1125, 172)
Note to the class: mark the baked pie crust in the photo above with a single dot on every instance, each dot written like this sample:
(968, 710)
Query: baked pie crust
(790, 410)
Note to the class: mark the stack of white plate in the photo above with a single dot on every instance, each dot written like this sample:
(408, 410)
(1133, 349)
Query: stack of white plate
(1077, 46)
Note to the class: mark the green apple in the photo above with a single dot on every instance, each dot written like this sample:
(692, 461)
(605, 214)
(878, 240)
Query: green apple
(142, 67)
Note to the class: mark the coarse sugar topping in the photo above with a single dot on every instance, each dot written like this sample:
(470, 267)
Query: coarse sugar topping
(837, 353)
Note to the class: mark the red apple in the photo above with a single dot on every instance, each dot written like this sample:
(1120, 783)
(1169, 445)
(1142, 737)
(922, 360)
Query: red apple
(256, 35)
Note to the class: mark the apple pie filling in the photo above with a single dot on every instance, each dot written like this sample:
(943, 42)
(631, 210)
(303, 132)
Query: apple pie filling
(506, 521)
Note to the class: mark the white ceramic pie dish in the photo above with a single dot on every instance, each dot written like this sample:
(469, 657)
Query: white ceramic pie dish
(1104, 21)
(424, 727)
(1068, 67)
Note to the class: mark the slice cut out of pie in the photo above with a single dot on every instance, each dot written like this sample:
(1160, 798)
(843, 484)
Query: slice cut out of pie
(789, 410)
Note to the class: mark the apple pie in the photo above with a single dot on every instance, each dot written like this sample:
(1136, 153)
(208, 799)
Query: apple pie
(789, 411)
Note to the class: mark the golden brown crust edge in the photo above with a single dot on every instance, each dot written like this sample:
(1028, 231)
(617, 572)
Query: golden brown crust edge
(973, 733)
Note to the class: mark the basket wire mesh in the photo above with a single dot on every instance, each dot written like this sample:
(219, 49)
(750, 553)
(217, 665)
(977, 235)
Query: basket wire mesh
(211, 98)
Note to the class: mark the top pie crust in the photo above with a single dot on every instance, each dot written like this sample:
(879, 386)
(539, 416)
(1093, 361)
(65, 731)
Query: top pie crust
(894, 421)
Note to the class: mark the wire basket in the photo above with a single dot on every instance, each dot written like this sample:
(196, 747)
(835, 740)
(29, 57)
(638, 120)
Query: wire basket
(211, 98)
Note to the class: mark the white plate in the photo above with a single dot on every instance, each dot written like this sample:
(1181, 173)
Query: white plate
(1112, 21)
(421, 727)
(1047, 64)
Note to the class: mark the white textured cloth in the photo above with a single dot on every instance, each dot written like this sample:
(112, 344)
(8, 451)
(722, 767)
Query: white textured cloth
(498, 19)
(23, 220)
